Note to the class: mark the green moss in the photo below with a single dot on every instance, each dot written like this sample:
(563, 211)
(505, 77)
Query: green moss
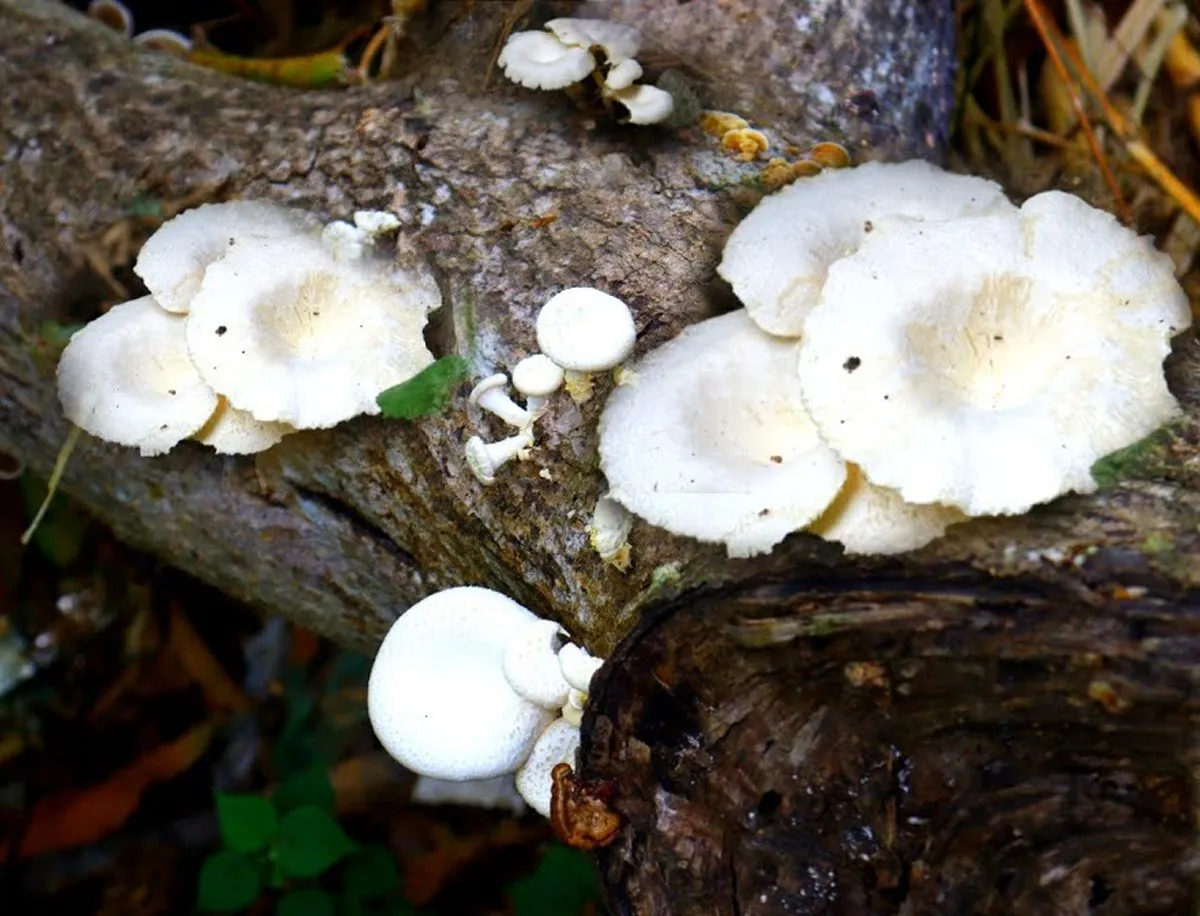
(1157, 543)
(426, 392)
(1140, 460)
(664, 576)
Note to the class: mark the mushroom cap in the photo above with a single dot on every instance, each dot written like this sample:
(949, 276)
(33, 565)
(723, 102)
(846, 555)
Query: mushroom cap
(623, 75)
(531, 664)
(585, 330)
(114, 14)
(166, 41)
(645, 104)
(126, 377)
(437, 696)
(620, 42)
(1020, 347)
(491, 383)
(578, 666)
(538, 60)
(537, 376)
(609, 528)
(234, 432)
(173, 260)
(557, 744)
(867, 519)
(777, 257)
(288, 333)
(714, 442)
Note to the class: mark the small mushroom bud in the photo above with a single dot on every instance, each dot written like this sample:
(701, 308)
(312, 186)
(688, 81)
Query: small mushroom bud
(537, 377)
(485, 458)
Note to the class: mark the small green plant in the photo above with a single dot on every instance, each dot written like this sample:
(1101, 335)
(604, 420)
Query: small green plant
(287, 843)
(424, 393)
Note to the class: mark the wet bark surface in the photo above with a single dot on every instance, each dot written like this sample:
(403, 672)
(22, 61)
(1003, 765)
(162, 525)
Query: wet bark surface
(830, 747)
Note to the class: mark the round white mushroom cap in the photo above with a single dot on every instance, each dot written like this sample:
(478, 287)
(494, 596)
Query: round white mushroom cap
(619, 42)
(714, 442)
(537, 376)
(288, 333)
(585, 330)
(777, 257)
(645, 104)
(234, 432)
(173, 260)
(538, 60)
(126, 377)
(1020, 348)
(437, 696)
(557, 744)
(531, 664)
(867, 519)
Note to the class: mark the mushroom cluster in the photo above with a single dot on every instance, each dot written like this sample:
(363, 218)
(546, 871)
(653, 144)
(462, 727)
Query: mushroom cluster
(254, 327)
(470, 685)
(581, 331)
(566, 53)
(914, 349)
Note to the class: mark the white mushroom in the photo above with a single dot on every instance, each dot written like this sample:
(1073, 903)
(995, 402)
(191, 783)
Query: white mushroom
(345, 241)
(585, 330)
(376, 222)
(539, 60)
(290, 334)
(714, 441)
(165, 41)
(557, 744)
(490, 395)
(572, 710)
(114, 14)
(485, 458)
(777, 257)
(234, 432)
(867, 519)
(173, 260)
(437, 696)
(623, 75)
(532, 667)
(126, 378)
(619, 42)
(645, 104)
(608, 532)
(536, 378)
(1019, 348)
(578, 666)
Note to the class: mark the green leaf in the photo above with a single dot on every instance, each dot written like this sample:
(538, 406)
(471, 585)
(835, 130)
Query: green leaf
(310, 842)
(306, 902)
(563, 882)
(309, 786)
(229, 881)
(424, 393)
(248, 822)
(370, 872)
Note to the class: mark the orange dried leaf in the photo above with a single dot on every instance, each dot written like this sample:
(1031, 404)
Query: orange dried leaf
(195, 658)
(81, 816)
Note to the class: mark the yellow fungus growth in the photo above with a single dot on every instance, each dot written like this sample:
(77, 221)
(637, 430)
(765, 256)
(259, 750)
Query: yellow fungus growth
(806, 168)
(777, 173)
(830, 155)
(745, 143)
(719, 123)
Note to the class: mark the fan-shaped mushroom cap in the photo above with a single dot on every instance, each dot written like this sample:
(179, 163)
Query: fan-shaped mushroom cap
(290, 334)
(126, 378)
(645, 104)
(1019, 348)
(538, 60)
(777, 257)
(531, 664)
(714, 442)
(173, 260)
(557, 744)
(620, 42)
(585, 330)
(234, 432)
(437, 696)
(867, 519)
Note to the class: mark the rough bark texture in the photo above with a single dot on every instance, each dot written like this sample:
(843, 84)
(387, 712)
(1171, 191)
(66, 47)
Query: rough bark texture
(821, 747)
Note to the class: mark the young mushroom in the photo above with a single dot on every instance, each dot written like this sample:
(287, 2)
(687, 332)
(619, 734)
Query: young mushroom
(1021, 347)
(645, 104)
(126, 377)
(485, 458)
(536, 378)
(539, 60)
(437, 696)
(557, 744)
(531, 664)
(584, 331)
(490, 395)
